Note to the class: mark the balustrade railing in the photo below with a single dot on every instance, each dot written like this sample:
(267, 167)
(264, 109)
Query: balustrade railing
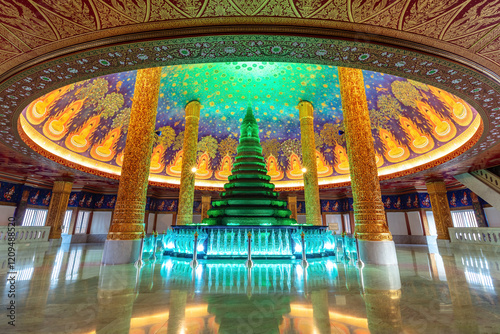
(24, 234)
(475, 235)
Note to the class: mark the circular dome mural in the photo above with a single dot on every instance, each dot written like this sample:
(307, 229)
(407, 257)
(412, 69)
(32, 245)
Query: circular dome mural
(86, 123)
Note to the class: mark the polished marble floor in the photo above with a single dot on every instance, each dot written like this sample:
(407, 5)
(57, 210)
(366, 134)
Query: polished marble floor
(65, 290)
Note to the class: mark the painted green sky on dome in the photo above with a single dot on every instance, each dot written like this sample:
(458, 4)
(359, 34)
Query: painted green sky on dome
(272, 89)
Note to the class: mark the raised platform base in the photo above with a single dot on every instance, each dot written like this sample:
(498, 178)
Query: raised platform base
(377, 252)
(120, 251)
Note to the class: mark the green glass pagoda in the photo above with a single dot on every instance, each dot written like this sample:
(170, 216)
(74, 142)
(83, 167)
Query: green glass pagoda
(249, 197)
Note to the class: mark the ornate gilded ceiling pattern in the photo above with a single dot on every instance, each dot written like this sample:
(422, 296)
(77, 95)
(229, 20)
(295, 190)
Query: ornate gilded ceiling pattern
(35, 27)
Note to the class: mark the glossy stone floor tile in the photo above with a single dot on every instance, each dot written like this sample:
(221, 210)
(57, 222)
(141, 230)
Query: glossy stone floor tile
(65, 290)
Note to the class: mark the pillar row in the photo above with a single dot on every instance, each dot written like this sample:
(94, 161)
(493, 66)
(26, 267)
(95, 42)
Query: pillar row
(440, 208)
(127, 226)
(57, 208)
(376, 244)
(189, 148)
(311, 189)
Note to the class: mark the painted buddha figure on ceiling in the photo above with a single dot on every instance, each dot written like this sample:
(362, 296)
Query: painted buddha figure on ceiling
(394, 151)
(79, 141)
(419, 143)
(272, 168)
(443, 129)
(156, 166)
(105, 151)
(295, 171)
(342, 165)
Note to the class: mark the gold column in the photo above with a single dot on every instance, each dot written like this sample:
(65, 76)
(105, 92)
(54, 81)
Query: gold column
(321, 311)
(369, 213)
(292, 206)
(440, 208)
(186, 193)
(206, 203)
(57, 208)
(128, 217)
(311, 190)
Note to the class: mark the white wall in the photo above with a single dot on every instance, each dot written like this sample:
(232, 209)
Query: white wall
(493, 216)
(151, 222)
(100, 222)
(415, 223)
(163, 222)
(397, 223)
(301, 219)
(334, 219)
(7, 211)
(347, 222)
(431, 222)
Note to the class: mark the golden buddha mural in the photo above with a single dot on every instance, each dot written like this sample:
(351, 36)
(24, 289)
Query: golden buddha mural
(119, 158)
(444, 130)
(273, 170)
(419, 142)
(175, 167)
(39, 109)
(294, 170)
(57, 127)
(394, 151)
(342, 161)
(105, 151)
(157, 164)
(225, 168)
(203, 170)
(324, 169)
(78, 141)
(460, 111)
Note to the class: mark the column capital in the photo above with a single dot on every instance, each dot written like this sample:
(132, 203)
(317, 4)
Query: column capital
(193, 109)
(435, 186)
(306, 110)
(62, 186)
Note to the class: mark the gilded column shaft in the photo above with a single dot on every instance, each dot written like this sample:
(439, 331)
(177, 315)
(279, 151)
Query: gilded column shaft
(189, 148)
(57, 208)
(292, 206)
(311, 189)
(128, 217)
(206, 203)
(371, 223)
(440, 208)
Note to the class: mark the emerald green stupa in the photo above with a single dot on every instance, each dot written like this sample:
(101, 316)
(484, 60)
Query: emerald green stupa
(249, 197)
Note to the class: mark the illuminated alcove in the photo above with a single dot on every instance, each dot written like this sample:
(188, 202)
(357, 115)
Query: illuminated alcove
(414, 125)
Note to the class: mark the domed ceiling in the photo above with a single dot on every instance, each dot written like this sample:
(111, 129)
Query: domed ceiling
(413, 124)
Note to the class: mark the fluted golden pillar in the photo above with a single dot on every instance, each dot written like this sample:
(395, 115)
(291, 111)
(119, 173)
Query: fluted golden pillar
(206, 203)
(371, 224)
(123, 244)
(186, 193)
(292, 206)
(311, 189)
(440, 208)
(57, 208)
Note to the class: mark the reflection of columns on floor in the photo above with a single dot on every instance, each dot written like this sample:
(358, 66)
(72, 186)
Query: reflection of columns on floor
(189, 148)
(21, 208)
(371, 225)
(382, 296)
(206, 204)
(321, 314)
(311, 189)
(115, 299)
(440, 208)
(292, 206)
(464, 312)
(478, 211)
(177, 312)
(123, 243)
(57, 208)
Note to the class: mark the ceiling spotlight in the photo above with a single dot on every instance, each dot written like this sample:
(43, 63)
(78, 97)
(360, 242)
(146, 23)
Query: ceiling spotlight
(341, 132)
(304, 169)
(158, 133)
(194, 169)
